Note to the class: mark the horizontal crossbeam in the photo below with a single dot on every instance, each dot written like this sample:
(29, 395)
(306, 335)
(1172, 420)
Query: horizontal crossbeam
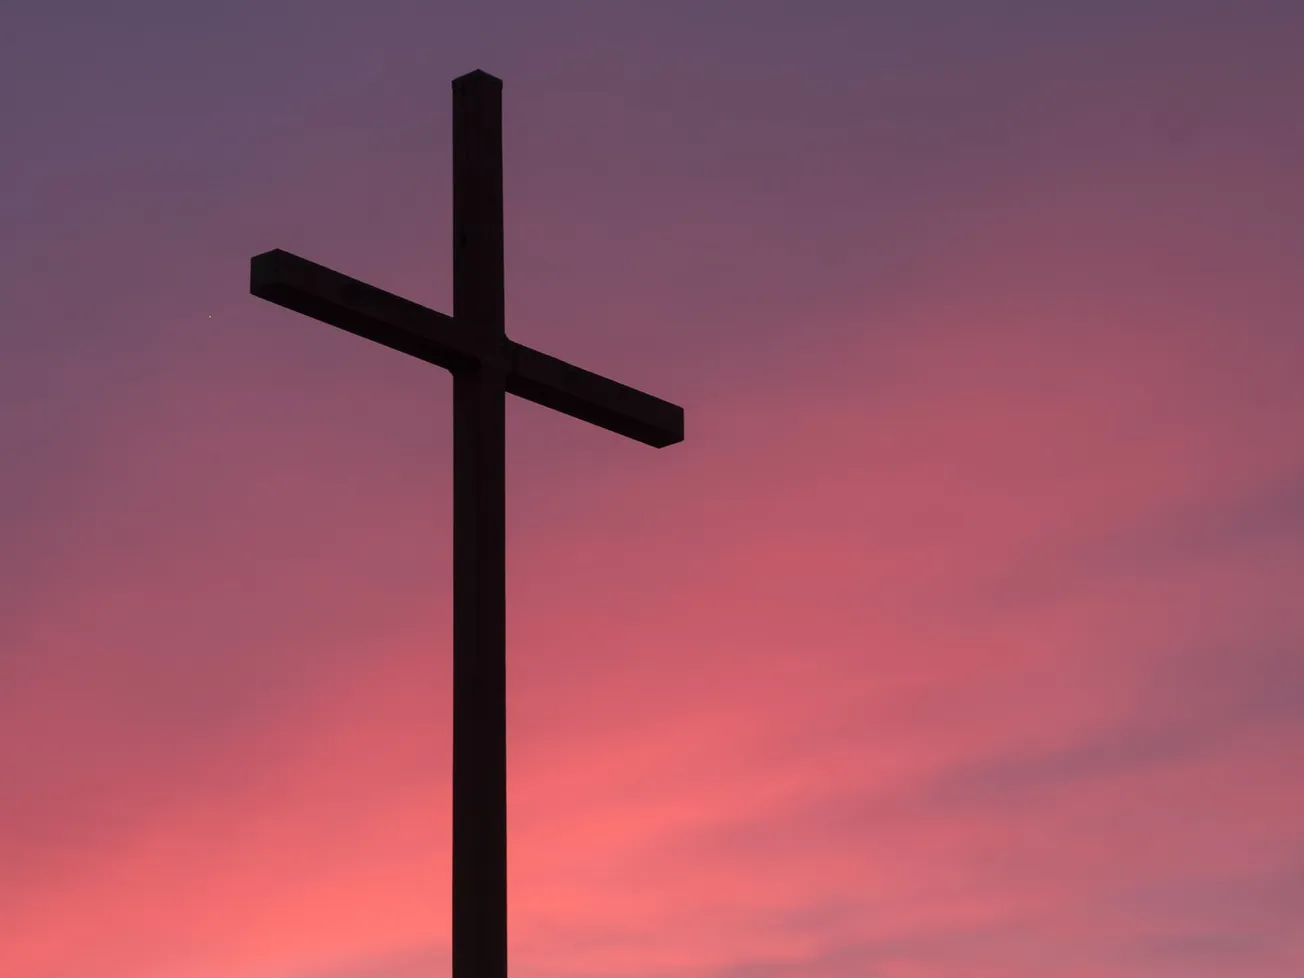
(314, 290)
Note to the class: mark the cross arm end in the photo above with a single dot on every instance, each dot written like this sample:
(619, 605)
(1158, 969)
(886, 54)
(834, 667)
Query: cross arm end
(314, 290)
(590, 397)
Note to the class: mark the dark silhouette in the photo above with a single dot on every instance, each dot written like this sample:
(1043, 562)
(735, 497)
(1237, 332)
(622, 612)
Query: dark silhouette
(486, 366)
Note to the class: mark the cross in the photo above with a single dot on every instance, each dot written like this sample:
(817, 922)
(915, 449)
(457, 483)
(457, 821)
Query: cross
(486, 366)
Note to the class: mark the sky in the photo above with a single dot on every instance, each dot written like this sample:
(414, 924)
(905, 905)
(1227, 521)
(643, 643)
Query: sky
(960, 638)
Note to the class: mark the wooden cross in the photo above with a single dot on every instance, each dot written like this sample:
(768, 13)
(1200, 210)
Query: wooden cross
(486, 366)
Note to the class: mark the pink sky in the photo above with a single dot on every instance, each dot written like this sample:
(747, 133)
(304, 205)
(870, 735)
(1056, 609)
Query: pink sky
(961, 638)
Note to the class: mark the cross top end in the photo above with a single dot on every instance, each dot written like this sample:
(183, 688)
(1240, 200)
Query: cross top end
(477, 77)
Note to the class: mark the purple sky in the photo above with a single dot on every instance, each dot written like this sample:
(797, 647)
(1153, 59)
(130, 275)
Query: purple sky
(962, 637)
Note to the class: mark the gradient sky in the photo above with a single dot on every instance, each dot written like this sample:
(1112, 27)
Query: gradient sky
(962, 637)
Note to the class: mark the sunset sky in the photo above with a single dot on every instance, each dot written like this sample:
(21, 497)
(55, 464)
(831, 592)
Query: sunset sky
(961, 638)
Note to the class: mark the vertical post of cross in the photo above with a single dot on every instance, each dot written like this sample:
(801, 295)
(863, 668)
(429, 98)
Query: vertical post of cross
(479, 537)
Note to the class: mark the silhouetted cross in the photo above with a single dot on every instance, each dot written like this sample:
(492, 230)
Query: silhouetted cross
(486, 366)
